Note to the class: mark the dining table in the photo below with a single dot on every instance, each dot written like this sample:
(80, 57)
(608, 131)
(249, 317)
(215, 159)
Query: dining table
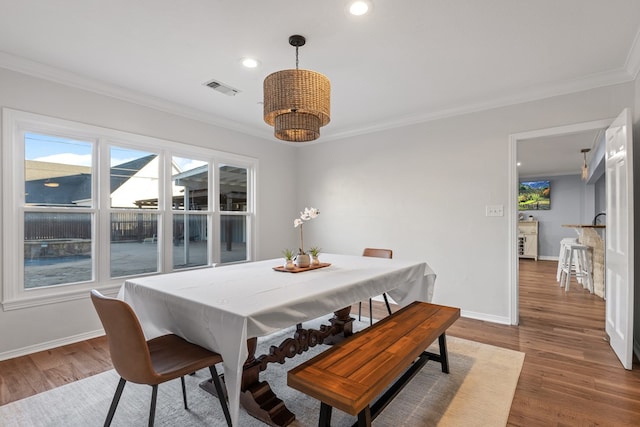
(226, 307)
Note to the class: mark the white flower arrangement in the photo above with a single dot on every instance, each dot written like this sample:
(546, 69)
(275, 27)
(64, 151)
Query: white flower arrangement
(306, 215)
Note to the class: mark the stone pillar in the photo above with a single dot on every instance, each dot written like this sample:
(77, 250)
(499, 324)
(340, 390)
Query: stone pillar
(590, 237)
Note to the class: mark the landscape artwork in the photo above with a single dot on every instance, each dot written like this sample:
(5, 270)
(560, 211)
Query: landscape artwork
(534, 196)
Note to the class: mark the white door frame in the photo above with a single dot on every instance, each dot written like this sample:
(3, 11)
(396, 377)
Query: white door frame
(513, 198)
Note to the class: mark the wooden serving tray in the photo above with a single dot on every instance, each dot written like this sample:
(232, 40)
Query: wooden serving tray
(301, 269)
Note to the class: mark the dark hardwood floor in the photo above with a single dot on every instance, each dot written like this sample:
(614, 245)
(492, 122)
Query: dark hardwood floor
(570, 376)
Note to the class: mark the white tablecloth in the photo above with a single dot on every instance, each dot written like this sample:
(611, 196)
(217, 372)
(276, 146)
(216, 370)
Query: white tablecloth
(220, 308)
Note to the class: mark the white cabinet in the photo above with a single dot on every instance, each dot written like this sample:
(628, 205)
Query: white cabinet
(528, 239)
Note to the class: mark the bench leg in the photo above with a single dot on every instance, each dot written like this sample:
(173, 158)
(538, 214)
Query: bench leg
(364, 417)
(325, 415)
(444, 355)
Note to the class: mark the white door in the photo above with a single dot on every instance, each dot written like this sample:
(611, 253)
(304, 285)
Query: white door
(619, 238)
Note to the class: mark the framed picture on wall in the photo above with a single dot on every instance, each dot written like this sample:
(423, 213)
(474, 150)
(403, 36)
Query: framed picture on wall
(534, 195)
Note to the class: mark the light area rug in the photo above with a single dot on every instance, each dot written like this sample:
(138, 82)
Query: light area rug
(478, 392)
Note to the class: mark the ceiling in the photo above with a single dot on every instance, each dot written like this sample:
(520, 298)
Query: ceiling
(405, 62)
(556, 155)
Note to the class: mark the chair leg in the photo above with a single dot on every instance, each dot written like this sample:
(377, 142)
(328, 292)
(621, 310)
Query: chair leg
(560, 263)
(152, 411)
(359, 311)
(386, 301)
(184, 393)
(114, 402)
(221, 394)
(370, 312)
(567, 278)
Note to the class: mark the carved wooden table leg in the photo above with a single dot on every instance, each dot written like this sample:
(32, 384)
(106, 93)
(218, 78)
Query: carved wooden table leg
(256, 396)
(342, 323)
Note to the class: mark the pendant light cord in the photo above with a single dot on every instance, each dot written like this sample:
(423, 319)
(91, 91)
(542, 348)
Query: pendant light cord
(296, 57)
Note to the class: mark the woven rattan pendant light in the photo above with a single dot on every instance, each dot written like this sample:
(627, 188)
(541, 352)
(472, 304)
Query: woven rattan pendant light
(297, 102)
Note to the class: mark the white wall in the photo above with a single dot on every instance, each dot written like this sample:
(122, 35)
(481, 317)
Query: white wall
(422, 190)
(30, 329)
(600, 197)
(568, 194)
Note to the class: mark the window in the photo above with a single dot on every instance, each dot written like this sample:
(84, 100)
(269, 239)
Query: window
(96, 206)
(133, 197)
(233, 205)
(57, 248)
(190, 202)
(58, 211)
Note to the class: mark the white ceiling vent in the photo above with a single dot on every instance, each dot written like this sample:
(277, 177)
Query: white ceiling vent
(222, 88)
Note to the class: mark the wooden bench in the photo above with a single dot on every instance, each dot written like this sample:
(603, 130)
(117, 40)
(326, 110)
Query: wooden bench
(352, 373)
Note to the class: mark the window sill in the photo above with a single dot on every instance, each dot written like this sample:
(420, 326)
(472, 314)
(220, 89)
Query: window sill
(35, 300)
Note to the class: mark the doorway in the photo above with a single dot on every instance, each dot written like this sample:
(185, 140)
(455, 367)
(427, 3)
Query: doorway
(541, 136)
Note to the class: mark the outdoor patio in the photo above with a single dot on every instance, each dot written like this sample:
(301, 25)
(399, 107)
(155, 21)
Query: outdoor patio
(131, 258)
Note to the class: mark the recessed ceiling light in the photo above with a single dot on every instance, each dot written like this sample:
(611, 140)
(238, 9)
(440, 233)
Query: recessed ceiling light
(518, 164)
(250, 62)
(360, 7)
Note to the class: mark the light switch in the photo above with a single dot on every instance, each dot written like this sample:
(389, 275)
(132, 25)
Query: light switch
(495, 210)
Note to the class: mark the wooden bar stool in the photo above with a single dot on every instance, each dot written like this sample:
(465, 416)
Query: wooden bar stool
(577, 263)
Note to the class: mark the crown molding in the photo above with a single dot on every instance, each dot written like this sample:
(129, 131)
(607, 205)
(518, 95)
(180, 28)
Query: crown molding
(57, 75)
(532, 94)
(548, 175)
(593, 81)
(633, 59)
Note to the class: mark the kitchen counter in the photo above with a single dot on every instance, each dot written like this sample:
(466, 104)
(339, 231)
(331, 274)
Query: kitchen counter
(589, 235)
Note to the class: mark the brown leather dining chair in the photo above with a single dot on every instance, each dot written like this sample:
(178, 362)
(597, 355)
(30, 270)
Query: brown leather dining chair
(376, 253)
(150, 362)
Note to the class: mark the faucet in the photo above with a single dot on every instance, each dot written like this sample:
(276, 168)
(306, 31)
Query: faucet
(595, 219)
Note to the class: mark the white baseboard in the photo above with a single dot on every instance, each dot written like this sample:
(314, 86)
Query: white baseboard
(548, 258)
(485, 317)
(50, 344)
